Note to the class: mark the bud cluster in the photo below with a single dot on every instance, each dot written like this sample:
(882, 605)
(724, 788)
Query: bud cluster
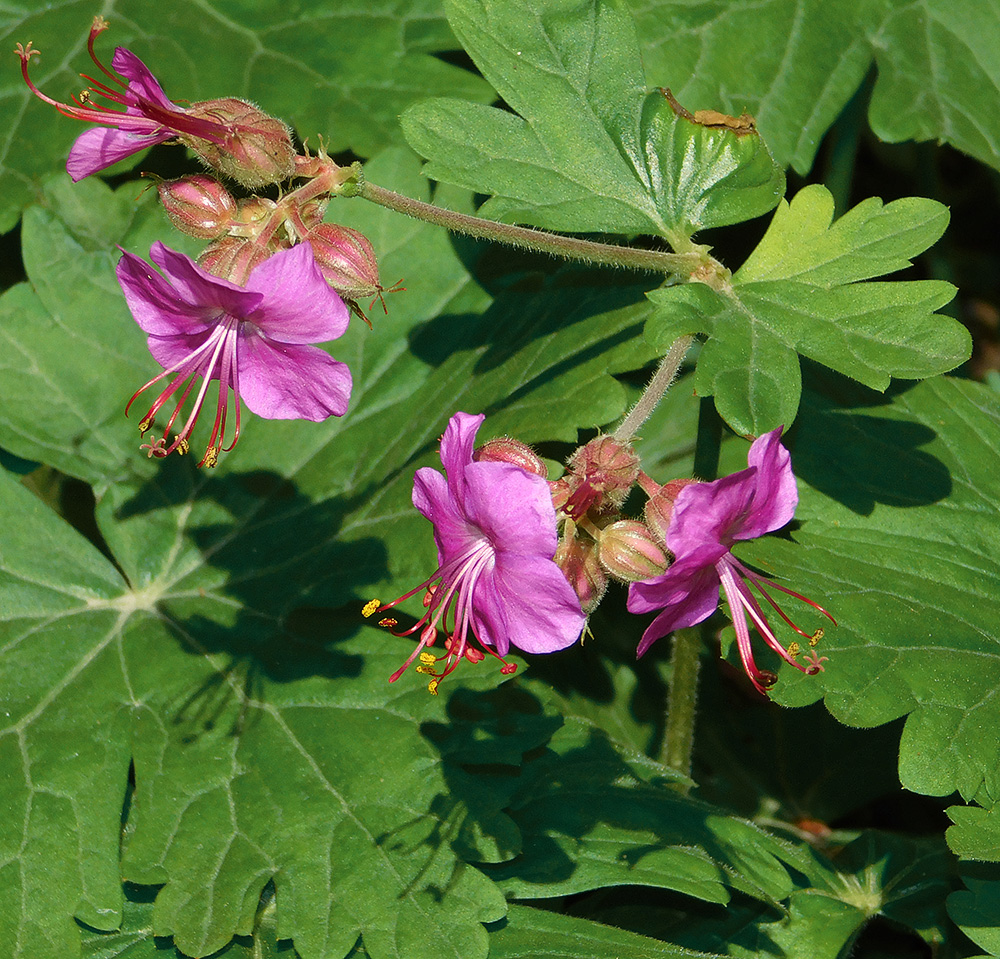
(237, 141)
(596, 542)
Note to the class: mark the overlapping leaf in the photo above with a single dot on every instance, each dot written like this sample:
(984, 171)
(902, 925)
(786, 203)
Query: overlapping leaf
(589, 821)
(795, 63)
(338, 69)
(587, 149)
(802, 292)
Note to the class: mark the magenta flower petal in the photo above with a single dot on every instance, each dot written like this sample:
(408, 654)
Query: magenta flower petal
(775, 493)
(298, 305)
(457, 445)
(511, 506)
(711, 513)
(689, 598)
(154, 303)
(282, 381)
(142, 85)
(97, 149)
(533, 600)
(205, 292)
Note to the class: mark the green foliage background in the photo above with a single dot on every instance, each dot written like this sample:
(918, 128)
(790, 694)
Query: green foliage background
(200, 752)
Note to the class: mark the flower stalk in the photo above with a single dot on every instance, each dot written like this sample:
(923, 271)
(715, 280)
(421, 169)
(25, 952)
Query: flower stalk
(682, 696)
(569, 247)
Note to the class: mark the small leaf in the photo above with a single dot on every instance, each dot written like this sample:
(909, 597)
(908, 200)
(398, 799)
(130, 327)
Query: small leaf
(975, 833)
(706, 175)
(976, 909)
(801, 291)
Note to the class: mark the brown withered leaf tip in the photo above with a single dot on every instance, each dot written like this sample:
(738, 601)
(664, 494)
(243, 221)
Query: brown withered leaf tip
(741, 125)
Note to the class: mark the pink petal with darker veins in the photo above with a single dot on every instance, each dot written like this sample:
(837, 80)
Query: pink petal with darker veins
(282, 381)
(298, 305)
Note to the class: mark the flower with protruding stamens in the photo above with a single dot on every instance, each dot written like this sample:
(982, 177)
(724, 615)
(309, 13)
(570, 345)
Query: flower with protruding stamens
(707, 519)
(251, 338)
(233, 136)
(496, 582)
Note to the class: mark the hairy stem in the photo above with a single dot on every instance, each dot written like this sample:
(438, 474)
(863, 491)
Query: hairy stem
(682, 696)
(572, 248)
(665, 374)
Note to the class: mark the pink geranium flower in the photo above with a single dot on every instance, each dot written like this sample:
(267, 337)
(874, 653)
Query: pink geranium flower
(496, 583)
(250, 338)
(707, 519)
(148, 118)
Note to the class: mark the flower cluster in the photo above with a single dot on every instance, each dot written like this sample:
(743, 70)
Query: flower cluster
(273, 278)
(522, 562)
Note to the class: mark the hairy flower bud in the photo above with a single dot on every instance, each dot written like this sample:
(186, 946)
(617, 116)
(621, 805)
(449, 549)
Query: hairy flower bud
(578, 559)
(346, 260)
(233, 257)
(660, 506)
(628, 551)
(505, 449)
(198, 205)
(255, 148)
(600, 473)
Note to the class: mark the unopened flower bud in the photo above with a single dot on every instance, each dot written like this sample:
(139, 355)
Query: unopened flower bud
(505, 449)
(198, 205)
(628, 551)
(346, 260)
(578, 560)
(233, 258)
(660, 506)
(600, 472)
(607, 462)
(255, 149)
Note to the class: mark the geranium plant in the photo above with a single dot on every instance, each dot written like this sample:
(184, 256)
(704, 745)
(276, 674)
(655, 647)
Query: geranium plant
(620, 344)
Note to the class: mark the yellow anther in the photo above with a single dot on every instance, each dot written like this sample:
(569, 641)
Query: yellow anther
(183, 447)
(369, 608)
(145, 424)
(432, 687)
(388, 622)
(426, 670)
(211, 457)
(794, 649)
(816, 637)
(428, 659)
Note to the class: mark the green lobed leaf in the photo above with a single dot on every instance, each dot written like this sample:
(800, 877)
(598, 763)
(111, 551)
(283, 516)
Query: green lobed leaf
(975, 833)
(899, 524)
(801, 292)
(587, 150)
(342, 70)
(590, 820)
(800, 61)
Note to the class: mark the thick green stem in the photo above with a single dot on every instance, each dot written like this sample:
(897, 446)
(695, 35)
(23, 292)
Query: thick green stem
(665, 374)
(682, 696)
(572, 248)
